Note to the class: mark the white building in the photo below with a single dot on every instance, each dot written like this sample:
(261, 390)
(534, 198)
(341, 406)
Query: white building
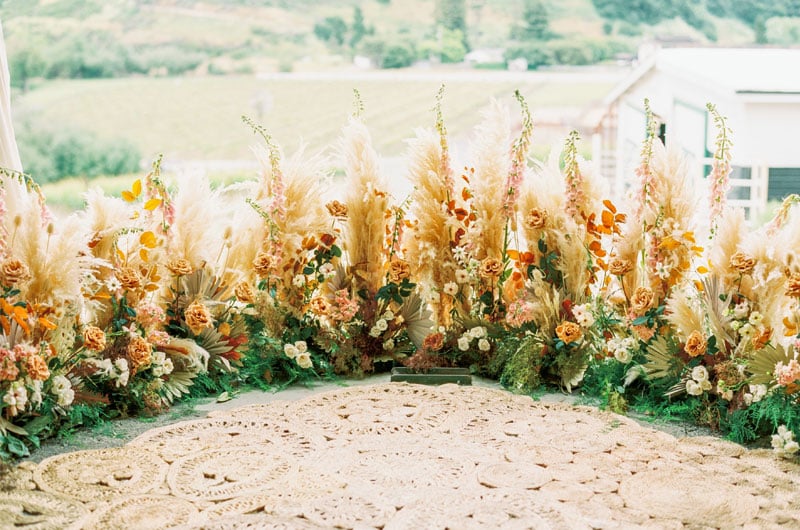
(757, 89)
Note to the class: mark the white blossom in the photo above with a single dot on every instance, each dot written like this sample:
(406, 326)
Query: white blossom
(463, 343)
(451, 288)
(483, 345)
(700, 373)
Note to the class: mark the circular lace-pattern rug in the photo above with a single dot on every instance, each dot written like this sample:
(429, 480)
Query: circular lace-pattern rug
(404, 456)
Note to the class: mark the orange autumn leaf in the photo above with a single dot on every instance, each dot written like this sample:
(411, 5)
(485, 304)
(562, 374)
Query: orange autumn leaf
(46, 324)
(152, 204)
(148, 239)
(689, 236)
(610, 205)
(5, 324)
(120, 255)
(144, 255)
(607, 218)
(791, 327)
(669, 243)
(7, 308)
(702, 270)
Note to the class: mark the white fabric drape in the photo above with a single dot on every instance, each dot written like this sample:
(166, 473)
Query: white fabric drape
(9, 154)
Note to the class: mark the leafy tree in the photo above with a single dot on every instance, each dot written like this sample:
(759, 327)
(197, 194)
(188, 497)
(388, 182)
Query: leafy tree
(331, 30)
(357, 29)
(535, 22)
(452, 15)
(398, 55)
(24, 65)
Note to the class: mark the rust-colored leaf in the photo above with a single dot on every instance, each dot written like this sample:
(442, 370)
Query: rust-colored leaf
(610, 205)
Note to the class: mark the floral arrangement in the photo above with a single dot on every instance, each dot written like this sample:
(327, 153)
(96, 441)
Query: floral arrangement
(517, 269)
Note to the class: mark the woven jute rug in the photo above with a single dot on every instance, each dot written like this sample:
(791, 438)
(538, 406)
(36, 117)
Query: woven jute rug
(404, 456)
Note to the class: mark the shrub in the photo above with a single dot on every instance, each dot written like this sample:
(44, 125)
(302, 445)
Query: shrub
(536, 53)
(53, 154)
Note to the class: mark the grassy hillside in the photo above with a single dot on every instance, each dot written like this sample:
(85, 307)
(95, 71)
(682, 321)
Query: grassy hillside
(199, 117)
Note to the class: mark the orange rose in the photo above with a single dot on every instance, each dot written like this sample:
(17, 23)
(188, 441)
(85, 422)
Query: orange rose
(793, 285)
(129, 278)
(180, 267)
(620, 267)
(319, 305)
(139, 352)
(398, 271)
(337, 209)
(569, 332)
(94, 338)
(13, 272)
(742, 262)
(695, 344)
(433, 342)
(37, 368)
(197, 317)
(263, 264)
(244, 292)
(491, 268)
(641, 300)
(535, 219)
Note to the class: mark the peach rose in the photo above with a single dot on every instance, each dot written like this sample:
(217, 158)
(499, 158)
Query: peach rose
(37, 368)
(180, 267)
(433, 342)
(197, 317)
(535, 219)
(139, 352)
(13, 272)
(619, 266)
(641, 300)
(569, 332)
(263, 264)
(742, 262)
(399, 270)
(337, 209)
(130, 278)
(695, 344)
(244, 292)
(319, 305)
(94, 338)
(491, 268)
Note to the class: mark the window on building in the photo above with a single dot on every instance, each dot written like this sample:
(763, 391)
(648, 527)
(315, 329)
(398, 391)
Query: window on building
(783, 181)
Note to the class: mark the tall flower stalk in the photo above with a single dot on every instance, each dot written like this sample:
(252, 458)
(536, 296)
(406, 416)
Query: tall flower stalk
(644, 171)
(573, 178)
(720, 167)
(519, 152)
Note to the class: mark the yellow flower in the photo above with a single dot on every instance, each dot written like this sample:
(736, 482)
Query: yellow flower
(139, 352)
(641, 300)
(197, 317)
(620, 267)
(569, 332)
(337, 209)
(244, 292)
(536, 219)
(129, 278)
(37, 368)
(695, 344)
(13, 271)
(398, 270)
(263, 264)
(179, 267)
(491, 268)
(94, 338)
(743, 263)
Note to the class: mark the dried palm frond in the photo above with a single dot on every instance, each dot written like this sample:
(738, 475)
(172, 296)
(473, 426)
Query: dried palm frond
(661, 359)
(175, 386)
(217, 347)
(417, 319)
(367, 202)
(761, 365)
(678, 388)
(717, 301)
